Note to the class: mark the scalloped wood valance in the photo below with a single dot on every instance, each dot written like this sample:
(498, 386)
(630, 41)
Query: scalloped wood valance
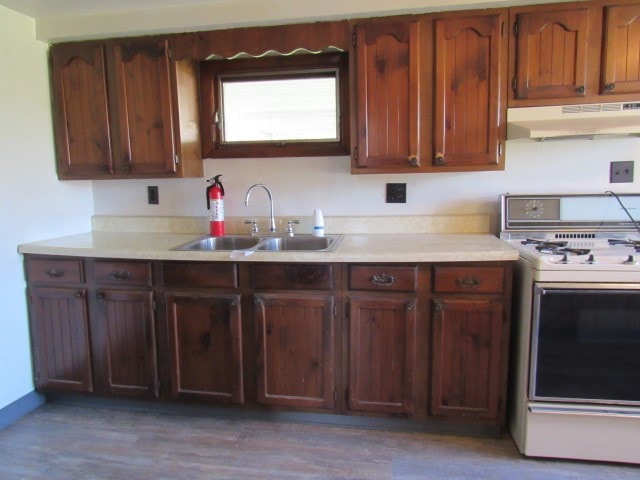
(261, 41)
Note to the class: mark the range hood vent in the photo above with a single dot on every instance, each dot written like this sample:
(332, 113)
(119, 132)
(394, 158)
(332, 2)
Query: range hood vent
(572, 121)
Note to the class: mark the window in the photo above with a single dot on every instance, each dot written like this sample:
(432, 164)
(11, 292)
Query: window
(275, 106)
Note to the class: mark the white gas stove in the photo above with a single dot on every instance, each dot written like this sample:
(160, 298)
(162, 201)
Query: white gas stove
(575, 389)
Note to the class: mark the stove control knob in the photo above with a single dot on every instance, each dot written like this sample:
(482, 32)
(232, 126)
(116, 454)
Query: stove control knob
(564, 259)
(590, 260)
(630, 261)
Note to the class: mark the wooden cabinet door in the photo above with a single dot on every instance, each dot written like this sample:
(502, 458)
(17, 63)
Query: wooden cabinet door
(621, 57)
(552, 53)
(205, 340)
(382, 354)
(144, 95)
(60, 335)
(81, 111)
(124, 339)
(470, 101)
(388, 99)
(467, 350)
(295, 338)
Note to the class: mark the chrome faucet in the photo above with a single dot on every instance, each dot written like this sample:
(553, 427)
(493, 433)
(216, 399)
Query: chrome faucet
(272, 220)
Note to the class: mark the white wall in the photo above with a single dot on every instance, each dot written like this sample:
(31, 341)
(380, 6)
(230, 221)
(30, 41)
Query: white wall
(33, 203)
(301, 184)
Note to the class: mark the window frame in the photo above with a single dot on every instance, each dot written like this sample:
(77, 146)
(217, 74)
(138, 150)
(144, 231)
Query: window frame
(267, 68)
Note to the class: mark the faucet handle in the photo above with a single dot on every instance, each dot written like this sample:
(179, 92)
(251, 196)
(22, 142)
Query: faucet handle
(290, 224)
(254, 227)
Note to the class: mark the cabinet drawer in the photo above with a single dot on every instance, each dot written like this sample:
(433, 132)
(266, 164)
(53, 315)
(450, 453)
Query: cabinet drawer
(197, 274)
(123, 273)
(468, 279)
(292, 277)
(383, 277)
(53, 270)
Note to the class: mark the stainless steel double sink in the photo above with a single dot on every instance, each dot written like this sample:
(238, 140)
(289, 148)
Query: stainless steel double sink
(247, 243)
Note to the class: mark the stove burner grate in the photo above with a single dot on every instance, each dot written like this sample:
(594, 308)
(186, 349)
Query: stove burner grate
(635, 244)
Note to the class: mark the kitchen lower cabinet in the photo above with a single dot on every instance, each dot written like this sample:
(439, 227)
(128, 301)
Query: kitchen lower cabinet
(382, 353)
(470, 334)
(205, 350)
(59, 320)
(295, 337)
(425, 341)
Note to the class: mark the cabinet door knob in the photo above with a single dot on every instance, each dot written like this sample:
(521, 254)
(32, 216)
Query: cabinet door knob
(580, 89)
(78, 294)
(439, 160)
(468, 282)
(104, 168)
(609, 87)
(438, 306)
(383, 280)
(413, 161)
(100, 295)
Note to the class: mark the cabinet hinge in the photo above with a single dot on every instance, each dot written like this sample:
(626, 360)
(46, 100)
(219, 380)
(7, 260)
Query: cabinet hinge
(355, 153)
(516, 28)
(176, 159)
(514, 84)
(502, 30)
(153, 305)
(169, 53)
(335, 311)
(499, 149)
(335, 396)
(353, 40)
(347, 310)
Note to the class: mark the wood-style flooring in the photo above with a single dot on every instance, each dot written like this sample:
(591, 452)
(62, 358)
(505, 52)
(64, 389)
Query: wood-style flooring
(59, 441)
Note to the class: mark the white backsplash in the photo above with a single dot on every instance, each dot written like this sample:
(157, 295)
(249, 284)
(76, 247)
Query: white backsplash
(301, 184)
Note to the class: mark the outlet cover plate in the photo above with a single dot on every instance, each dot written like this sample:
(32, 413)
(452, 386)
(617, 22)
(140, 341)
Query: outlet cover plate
(396, 193)
(152, 195)
(621, 172)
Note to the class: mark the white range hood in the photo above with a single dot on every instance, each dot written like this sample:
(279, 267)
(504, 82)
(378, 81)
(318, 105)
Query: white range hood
(570, 121)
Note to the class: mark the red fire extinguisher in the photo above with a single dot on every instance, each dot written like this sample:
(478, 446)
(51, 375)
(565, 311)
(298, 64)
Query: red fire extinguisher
(215, 194)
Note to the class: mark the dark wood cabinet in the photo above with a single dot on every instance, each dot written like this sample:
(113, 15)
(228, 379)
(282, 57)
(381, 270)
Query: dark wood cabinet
(205, 346)
(584, 52)
(382, 353)
(295, 349)
(470, 57)
(387, 96)
(621, 51)
(81, 110)
(59, 319)
(124, 109)
(470, 334)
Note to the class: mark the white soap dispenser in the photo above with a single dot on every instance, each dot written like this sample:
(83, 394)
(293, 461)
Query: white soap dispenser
(318, 223)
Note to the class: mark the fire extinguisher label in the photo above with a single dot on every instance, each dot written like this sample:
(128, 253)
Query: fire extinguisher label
(217, 210)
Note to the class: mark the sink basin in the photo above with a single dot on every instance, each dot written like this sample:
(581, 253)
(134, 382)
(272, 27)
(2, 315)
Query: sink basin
(301, 243)
(228, 242)
(239, 243)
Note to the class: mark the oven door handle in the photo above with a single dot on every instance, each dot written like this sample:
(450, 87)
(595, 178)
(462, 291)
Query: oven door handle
(608, 410)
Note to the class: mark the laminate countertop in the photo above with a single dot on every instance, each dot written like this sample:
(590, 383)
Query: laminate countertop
(378, 248)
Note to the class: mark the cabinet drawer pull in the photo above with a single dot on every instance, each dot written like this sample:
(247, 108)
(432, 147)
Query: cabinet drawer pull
(383, 280)
(78, 295)
(121, 275)
(468, 282)
(55, 273)
(100, 295)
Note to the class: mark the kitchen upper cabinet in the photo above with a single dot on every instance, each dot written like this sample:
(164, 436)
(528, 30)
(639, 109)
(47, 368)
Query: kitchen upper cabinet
(554, 52)
(387, 62)
(125, 110)
(621, 54)
(470, 55)
(586, 52)
(81, 110)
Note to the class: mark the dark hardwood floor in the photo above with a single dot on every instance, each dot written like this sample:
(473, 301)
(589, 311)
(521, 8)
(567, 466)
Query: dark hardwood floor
(62, 441)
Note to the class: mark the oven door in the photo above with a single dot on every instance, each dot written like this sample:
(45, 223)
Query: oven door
(586, 343)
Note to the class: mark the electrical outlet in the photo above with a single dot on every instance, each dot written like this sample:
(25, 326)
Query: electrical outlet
(396, 193)
(621, 172)
(152, 195)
